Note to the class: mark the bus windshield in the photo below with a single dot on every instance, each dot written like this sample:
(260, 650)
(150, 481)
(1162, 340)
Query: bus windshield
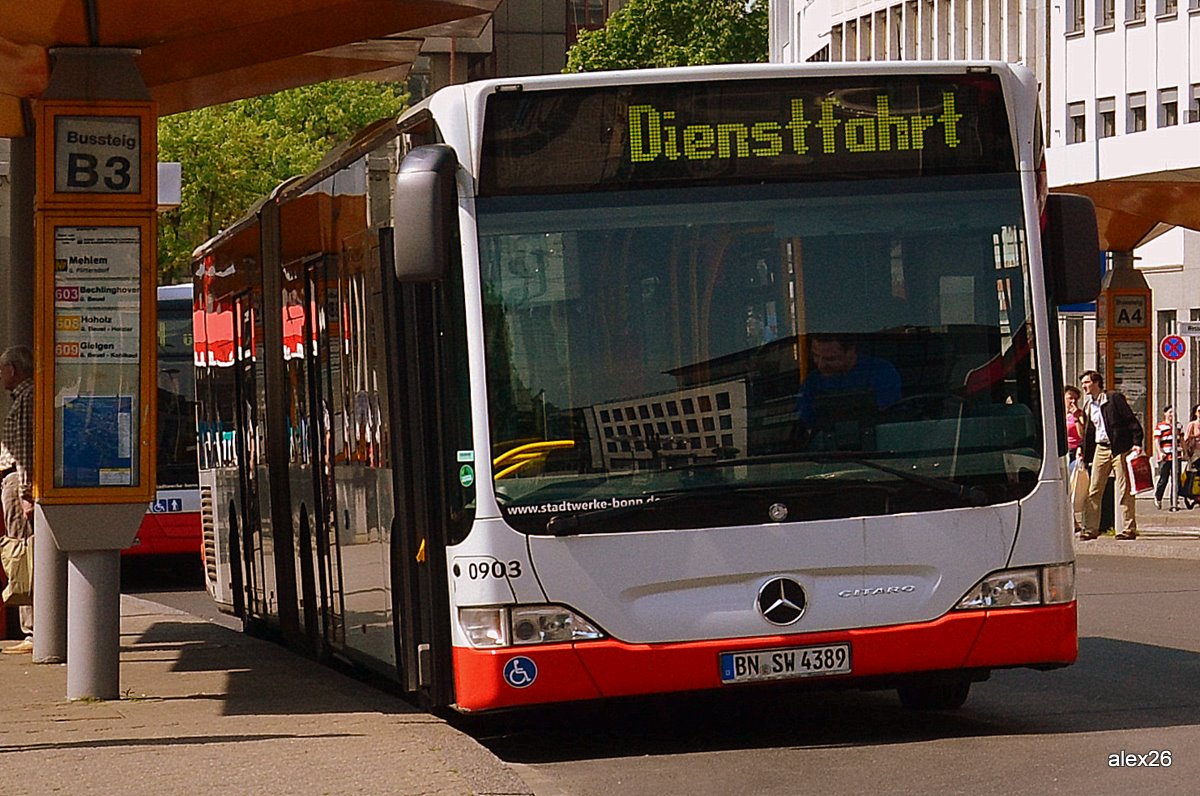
(702, 355)
(176, 396)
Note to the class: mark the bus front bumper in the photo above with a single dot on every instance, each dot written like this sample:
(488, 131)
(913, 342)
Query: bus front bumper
(976, 640)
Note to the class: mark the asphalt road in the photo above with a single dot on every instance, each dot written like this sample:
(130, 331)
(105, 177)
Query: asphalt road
(1135, 691)
(174, 581)
(1133, 699)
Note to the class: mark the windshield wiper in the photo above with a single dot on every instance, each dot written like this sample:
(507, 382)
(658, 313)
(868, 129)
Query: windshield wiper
(970, 495)
(578, 522)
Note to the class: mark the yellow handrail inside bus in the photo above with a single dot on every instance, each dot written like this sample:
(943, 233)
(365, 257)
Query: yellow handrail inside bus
(524, 454)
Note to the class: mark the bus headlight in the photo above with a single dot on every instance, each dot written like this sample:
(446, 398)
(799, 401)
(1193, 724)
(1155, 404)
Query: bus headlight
(1014, 588)
(522, 625)
(484, 627)
(548, 624)
(1058, 584)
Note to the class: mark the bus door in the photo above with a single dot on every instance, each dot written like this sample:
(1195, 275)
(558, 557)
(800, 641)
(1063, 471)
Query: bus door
(415, 357)
(246, 553)
(324, 350)
(300, 423)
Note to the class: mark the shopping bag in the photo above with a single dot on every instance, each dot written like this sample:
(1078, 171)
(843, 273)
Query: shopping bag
(1189, 484)
(1141, 474)
(1079, 487)
(16, 556)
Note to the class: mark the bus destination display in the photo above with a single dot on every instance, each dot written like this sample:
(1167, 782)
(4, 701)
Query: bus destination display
(643, 136)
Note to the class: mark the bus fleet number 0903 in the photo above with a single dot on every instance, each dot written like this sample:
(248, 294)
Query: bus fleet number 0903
(482, 570)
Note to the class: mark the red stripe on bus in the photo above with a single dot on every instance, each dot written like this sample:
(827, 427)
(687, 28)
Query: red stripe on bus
(479, 677)
(168, 534)
(610, 668)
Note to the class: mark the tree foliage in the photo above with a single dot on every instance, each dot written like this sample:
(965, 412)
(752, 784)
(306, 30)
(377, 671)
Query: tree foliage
(234, 154)
(645, 33)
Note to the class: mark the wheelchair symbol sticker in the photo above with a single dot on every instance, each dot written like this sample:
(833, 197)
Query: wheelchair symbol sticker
(520, 672)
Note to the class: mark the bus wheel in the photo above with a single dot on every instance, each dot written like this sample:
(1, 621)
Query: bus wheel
(935, 692)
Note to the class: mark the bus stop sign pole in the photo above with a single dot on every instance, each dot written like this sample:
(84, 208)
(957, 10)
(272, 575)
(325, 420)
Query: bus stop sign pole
(94, 339)
(1173, 348)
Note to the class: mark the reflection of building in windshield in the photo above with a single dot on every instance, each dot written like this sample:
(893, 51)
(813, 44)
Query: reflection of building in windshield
(681, 426)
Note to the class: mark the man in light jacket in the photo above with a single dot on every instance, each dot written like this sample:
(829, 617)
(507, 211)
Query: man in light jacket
(1112, 434)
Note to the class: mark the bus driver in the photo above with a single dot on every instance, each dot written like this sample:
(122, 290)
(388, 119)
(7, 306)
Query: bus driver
(841, 375)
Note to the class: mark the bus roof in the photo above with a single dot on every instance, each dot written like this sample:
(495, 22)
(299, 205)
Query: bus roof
(175, 292)
(681, 74)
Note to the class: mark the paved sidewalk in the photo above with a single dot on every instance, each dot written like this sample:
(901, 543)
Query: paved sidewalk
(208, 710)
(1162, 533)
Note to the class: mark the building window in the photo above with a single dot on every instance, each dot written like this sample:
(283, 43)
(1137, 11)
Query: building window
(1077, 126)
(1136, 10)
(584, 15)
(1106, 117)
(1075, 21)
(1194, 104)
(1106, 13)
(1135, 119)
(1167, 8)
(1168, 107)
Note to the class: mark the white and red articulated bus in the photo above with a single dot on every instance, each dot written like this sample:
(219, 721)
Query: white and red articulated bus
(585, 386)
(172, 522)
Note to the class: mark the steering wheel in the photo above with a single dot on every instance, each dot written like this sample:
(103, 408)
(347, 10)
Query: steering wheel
(925, 406)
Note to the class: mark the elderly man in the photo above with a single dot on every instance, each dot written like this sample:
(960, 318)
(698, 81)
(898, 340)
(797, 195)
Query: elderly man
(16, 463)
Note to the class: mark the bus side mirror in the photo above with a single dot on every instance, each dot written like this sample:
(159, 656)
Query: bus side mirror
(424, 211)
(1071, 249)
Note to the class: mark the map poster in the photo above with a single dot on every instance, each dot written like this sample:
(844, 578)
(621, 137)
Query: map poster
(97, 442)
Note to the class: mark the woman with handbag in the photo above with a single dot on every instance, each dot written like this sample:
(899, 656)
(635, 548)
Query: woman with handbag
(1189, 449)
(1191, 436)
(1076, 474)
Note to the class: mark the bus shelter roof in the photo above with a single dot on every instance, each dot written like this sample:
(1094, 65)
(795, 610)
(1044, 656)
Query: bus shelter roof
(195, 54)
(1133, 210)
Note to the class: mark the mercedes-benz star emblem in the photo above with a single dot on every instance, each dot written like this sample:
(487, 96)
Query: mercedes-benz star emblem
(781, 601)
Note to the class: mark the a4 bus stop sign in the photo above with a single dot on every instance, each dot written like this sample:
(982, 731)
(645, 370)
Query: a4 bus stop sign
(1172, 347)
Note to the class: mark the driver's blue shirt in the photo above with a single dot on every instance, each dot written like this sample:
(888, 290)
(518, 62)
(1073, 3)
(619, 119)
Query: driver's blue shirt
(869, 375)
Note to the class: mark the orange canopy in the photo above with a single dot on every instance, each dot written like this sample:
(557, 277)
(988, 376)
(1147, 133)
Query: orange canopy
(1133, 210)
(196, 54)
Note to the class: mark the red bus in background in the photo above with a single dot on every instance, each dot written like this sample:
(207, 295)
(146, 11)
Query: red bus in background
(172, 522)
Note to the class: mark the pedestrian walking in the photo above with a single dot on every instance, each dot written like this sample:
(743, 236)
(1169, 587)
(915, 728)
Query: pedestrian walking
(16, 463)
(1112, 435)
(1166, 433)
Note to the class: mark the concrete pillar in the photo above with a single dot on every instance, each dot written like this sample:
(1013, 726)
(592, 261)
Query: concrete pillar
(50, 571)
(49, 594)
(93, 647)
(19, 282)
(1125, 344)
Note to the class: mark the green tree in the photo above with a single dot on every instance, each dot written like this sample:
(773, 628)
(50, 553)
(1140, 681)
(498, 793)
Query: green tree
(646, 33)
(234, 154)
